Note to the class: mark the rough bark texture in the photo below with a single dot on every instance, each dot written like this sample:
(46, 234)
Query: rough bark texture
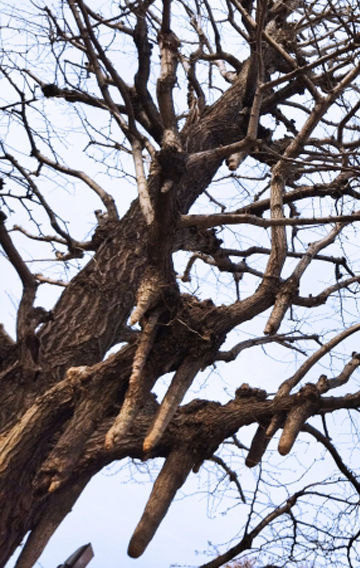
(66, 409)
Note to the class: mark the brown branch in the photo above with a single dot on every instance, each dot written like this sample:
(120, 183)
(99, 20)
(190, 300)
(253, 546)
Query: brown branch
(321, 298)
(43, 279)
(35, 190)
(307, 404)
(26, 277)
(218, 423)
(91, 40)
(57, 507)
(290, 254)
(222, 152)
(289, 384)
(207, 221)
(105, 197)
(142, 76)
(259, 445)
(286, 387)
(247, 540)
(258, 63)
(324, 384)
(222, 262)
(23, 324)
(42, 238)
(290, 287)
(169, 45)
(233, 476)
(140, 383)
(339, 186)
(109, 22)
(130, 130)
(222, 55)
(231, 355)
(51, 90)
(334, 453)
(292, 63)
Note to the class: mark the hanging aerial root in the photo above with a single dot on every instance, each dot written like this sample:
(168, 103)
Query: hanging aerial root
(58, 506)
(180, 383)
(171, 477)
(297, 417)
(260, 440)
(138, 386)
(258, 445)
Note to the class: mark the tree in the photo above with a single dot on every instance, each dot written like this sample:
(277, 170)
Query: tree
(162, 94)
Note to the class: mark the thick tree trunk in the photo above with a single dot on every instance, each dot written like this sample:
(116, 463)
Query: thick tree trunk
(54, 417)
(47, 420)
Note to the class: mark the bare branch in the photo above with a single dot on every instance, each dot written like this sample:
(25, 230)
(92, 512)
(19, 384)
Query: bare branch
(247, 540)
(233, 477)
(23, 324)
(57, 507)
(207, 221)
(282, 339)
(290, 286)
(289, 384)
(333, 452)
(43, 279)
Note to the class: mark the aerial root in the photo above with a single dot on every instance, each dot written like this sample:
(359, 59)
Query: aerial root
(180, 383)
(171, 477)
(297, 417)
(304, 406)
(135, 395)
(258, 445)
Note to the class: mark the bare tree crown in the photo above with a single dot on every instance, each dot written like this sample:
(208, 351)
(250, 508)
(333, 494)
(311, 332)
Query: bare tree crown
(233, 127)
